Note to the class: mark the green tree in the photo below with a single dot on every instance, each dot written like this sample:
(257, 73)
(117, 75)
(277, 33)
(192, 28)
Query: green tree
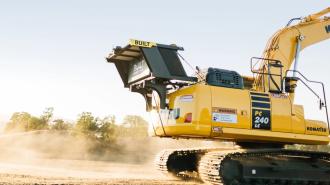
(36, 123)
(19, 121)
(60, 124)
(107, 129)
(87, 124)
(47, 115)
(23, 121)
(134, 126)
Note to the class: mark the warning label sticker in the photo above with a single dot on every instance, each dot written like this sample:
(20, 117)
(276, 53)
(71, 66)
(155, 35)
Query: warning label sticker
(224, 115)
(187, 98)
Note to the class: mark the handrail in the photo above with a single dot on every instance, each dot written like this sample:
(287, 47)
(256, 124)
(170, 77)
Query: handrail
(270, 75)
(293, 19)
(317, 82)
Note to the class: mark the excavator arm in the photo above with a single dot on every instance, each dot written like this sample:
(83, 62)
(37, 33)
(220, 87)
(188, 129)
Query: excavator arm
(286, 44)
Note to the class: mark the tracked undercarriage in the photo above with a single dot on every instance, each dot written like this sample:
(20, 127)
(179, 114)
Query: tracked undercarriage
(247, 167)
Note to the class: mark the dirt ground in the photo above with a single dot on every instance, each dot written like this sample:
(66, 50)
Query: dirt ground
(50, 158)
(46, 171)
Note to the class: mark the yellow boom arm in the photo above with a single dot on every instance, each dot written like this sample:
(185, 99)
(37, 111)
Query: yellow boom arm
(286, 44)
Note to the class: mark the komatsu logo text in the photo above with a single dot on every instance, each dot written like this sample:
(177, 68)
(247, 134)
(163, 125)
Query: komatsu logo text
(327, 29)
(317, 129)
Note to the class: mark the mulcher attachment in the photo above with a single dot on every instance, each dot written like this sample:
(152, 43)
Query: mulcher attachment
(267, 167)
(145, 67)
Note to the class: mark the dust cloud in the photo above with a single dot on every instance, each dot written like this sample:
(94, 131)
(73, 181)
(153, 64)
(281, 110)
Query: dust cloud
(43, 155)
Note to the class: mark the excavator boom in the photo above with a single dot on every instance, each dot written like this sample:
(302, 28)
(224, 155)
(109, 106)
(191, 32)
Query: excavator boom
(286, 44)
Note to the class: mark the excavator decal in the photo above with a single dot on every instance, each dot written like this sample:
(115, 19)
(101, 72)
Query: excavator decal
(317, 129)
(261, 119)
(261, 113)
(141, 43)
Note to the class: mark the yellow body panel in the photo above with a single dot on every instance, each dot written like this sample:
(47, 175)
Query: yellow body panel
(281, 113)
(205, 102)
(298, 119)
(189, 100)
(241, 103)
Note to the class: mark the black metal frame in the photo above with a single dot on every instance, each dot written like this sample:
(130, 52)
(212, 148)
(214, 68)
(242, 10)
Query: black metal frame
(269, 64)
(164, 65)
(309, 88)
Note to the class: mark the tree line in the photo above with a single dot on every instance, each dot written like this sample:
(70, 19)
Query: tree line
(104, 129)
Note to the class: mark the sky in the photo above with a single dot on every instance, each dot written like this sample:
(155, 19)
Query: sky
(52, 53)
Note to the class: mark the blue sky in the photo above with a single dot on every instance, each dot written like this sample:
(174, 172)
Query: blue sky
(52, 53)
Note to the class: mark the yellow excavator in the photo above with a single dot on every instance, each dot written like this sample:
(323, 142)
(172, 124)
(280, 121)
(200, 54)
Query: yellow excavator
(257, 113)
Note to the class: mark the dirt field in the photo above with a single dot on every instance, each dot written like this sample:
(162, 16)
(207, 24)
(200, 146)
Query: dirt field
(51, 158)
(47, 171)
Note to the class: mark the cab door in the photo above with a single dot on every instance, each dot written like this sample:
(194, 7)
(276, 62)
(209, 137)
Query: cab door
(281, 112)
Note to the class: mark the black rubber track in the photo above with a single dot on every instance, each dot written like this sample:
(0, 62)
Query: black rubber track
(226, 167)
(180, 163)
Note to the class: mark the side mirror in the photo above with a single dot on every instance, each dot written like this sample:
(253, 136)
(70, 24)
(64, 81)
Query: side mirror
(321, 104)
